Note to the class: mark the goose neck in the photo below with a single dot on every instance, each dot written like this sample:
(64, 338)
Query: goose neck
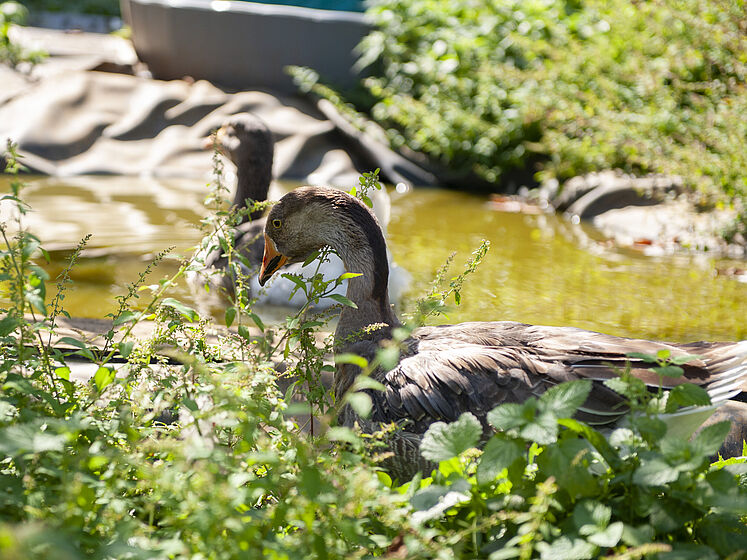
(373, 317)
(251, 185)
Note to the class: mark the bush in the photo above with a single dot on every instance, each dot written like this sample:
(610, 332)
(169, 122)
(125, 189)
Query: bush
(558, 88)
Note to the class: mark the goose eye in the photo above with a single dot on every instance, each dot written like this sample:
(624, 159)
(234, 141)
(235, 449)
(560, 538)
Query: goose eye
(276, 223)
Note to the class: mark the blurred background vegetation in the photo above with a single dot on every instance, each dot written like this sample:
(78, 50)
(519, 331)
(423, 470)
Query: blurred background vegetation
(527, 90)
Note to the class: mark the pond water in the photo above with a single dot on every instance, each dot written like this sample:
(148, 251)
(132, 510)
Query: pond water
(540, 268)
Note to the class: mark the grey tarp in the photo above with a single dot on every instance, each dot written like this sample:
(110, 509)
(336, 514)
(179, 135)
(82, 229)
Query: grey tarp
(69, 120)
(83, 122)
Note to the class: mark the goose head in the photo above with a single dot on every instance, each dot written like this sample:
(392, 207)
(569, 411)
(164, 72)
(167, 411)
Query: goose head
(245, 138)
(307, 219)
(247, 141)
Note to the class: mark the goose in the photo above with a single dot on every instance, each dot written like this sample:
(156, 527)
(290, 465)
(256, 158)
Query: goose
(248, 143)
(444, 371)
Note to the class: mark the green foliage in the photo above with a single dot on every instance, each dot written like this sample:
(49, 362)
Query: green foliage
(549, 486)
(179, 448)
(435, 301)
(14, 13)
(558, 88)
(183, 458)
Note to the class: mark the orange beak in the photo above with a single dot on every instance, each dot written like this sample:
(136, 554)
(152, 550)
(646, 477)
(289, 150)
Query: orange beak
(271, 261)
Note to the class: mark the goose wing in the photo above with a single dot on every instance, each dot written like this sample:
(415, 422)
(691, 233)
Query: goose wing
(474, 367)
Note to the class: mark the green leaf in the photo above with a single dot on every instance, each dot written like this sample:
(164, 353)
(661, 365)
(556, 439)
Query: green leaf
(230, 315)
(348, 275)
(38, 274)
(636, 536)
(499, 454)
(679, 360)
(84, 350)
(384, 478)
(686, 394)
(710, 438)
(388, 357)
(95, 462)
(366, 382)
(595, 438)
(125, 348)
(568, 461)
(360, 402)
(7, 411)
(726, 534)
(643, 357)
(505, 554)
(443, 441)
(311, 258)
(311, 482)
(295, 408)
(257, 321)
(563, 400)
(298, 281)
(72, 342)
(629, 387)
(103, 378)
(125, 317)
(543, 429)
(526, 420)
(18, 383)
(608, 537)
(653, 429)
(341, 433)
(343, 300)
(355, 359)
(244, 332)
(184, 310)
(507, 416)
(669, 371)
(566, 548)
(431, 502)
(36, 301)
(590, 516)
(663, 354)
(21, 438)
(655, 471)
(190, 404)
(8, 324)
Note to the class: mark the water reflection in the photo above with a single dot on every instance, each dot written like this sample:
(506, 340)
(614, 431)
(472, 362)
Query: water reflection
(540, 268)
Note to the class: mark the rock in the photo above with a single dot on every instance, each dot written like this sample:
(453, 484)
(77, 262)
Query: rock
(652, 214)
(592, 194)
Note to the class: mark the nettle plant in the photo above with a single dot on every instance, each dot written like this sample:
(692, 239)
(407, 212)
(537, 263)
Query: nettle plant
(178, 447)
(549, 486)
(175, 447)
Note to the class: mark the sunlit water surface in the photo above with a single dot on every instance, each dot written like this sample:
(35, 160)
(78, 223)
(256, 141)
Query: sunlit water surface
(540, 268)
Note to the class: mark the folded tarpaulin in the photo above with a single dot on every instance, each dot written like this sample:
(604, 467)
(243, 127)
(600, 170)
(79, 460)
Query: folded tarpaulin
(86, 122)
